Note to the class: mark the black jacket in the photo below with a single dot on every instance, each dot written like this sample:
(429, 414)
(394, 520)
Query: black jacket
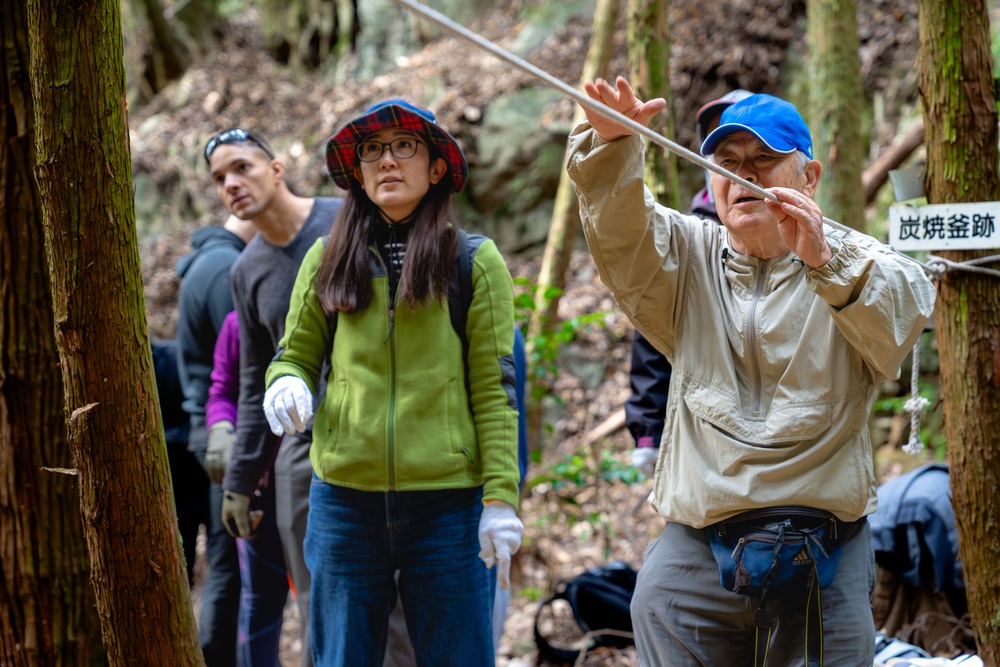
(205, 300)
(175, 421)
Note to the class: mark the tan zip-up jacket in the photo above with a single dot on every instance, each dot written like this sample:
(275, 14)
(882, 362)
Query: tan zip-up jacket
(775, 364)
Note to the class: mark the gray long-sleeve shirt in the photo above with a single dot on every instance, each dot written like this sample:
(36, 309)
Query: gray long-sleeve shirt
(262, 280)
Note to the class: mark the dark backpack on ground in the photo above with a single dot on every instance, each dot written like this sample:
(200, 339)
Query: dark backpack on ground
(600, 599)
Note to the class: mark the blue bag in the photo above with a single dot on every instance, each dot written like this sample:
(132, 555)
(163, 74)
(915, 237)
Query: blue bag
(781, 553)
(776, 553)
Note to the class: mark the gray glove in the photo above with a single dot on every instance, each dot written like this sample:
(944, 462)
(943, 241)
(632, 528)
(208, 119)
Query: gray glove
(237, 517)
(221, 437)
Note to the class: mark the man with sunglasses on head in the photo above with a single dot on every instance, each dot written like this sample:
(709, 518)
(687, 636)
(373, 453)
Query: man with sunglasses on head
(250, 181)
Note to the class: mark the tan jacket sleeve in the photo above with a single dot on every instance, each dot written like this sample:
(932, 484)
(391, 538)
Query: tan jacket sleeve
(879, 300)
(640, 247)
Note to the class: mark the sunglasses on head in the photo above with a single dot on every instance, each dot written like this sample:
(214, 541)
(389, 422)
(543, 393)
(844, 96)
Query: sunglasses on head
(236, 136)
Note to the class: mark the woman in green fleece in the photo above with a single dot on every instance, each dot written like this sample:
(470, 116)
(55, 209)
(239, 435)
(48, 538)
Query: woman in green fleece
(415, 441)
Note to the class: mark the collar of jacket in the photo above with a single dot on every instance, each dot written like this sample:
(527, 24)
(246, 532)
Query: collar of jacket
(756, 275)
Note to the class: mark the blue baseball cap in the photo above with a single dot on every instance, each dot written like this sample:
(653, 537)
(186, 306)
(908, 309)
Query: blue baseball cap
(774, 121)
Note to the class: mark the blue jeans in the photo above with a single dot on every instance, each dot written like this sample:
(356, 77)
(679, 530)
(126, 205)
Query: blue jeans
(355, 542)
(264, 588)
(221, 595)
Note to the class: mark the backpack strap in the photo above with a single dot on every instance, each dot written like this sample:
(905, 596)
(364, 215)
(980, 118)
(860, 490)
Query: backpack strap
(460, 293)
(550, 652)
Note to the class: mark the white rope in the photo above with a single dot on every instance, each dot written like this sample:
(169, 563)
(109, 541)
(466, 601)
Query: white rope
(584, 100)
(938, 266)
(915, 404)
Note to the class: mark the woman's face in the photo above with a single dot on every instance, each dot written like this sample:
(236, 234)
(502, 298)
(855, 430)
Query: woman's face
(394, 184)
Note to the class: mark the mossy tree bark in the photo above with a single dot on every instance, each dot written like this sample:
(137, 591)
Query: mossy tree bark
(562, 234)
(114, 429)
(960, 120)
(649, 59)
(47, 613)
(835, 102)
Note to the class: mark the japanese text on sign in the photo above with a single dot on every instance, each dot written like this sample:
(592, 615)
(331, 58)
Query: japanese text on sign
(945, 226)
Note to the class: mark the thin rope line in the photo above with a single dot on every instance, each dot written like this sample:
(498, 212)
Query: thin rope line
(584, 100)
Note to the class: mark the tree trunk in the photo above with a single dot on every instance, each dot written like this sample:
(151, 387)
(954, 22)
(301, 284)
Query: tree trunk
(198, 17)
(649, 58)
(166, 63)
(960, 119)
(302, 33)
(835, 103)
(562, 234)
(114, 427)
(47, 614)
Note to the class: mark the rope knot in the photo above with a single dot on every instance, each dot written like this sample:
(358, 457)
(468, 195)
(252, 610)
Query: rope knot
(915, 404)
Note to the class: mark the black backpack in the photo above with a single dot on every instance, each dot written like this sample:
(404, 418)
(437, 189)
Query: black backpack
(600, 600)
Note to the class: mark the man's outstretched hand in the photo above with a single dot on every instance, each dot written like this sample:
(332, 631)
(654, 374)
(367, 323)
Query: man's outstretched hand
(623, 100)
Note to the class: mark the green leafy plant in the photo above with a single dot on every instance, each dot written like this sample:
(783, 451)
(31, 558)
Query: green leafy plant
(542, 364)
(532, 593)
(571, 475)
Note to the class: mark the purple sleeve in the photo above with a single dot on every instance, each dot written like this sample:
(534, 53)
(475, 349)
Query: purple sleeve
(225, 390)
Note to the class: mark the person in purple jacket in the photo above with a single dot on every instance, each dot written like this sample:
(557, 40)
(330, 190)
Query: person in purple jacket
(263, 576)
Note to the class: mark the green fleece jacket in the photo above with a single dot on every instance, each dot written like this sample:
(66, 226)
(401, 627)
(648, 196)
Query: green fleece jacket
(396, 414)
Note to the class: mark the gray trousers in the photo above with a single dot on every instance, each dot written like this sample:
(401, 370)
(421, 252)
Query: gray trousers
(292, 478)
(683, 617)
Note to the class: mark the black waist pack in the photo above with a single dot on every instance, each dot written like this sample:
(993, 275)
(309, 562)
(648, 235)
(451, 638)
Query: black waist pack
(777, 553)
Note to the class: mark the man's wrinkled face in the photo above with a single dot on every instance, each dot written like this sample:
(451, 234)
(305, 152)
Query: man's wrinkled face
(748, 157)
(245, 178)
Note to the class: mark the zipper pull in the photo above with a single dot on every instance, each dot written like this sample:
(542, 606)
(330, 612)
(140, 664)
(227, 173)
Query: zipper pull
(739, 545)
(392, 322)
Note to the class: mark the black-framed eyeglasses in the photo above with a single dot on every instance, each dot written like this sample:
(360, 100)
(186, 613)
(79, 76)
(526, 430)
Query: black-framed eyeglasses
(400, 147)
(236, 135)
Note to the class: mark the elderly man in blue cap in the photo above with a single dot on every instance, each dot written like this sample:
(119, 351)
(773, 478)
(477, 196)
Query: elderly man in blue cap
(779, 331)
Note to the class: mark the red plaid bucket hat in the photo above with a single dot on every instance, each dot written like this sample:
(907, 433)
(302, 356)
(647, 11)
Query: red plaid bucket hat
(341, 155)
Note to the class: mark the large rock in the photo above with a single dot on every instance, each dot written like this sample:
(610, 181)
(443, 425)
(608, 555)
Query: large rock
(516, 163)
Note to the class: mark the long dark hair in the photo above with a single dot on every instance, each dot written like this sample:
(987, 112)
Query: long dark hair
(344, 283)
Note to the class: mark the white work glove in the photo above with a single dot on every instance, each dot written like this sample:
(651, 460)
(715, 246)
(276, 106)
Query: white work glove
(288, 405)
(237, 517)
(221, 437)
(499, 538)
(644, 458)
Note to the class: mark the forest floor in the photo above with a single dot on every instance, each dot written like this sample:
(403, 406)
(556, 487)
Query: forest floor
(583, 505)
